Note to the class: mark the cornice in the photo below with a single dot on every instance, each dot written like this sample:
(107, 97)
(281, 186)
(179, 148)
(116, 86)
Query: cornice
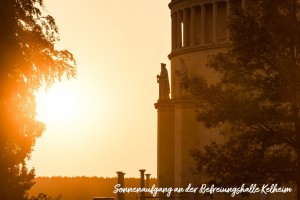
(182, 50)
(176, 5)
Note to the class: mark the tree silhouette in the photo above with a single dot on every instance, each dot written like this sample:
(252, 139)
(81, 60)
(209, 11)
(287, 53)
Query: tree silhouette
(70, 188)
(28, 59)
(256, 104)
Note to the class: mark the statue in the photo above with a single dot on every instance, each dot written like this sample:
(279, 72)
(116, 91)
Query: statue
(182, 74)
(182, 68)
(163, 81)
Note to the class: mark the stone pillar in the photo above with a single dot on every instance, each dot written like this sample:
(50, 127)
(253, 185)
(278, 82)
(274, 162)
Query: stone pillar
(120, 196)
(148, 183)
(193, 26)
(174, 31)
(215, 22)
(142, 183)
(185, 29)
(148, 180)
(203, 24)
(179, 35)
(228, 13)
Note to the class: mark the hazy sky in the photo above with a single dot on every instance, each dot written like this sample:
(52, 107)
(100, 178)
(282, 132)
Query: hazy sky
(111, 121)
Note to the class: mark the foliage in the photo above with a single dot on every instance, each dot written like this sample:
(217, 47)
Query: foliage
(28, 59)
(43, 196)
(257, 100)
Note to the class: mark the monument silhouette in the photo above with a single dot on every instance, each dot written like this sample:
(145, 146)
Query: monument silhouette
(199, 29)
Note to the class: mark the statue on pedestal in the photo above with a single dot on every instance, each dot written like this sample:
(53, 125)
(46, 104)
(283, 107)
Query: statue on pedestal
(163, 81)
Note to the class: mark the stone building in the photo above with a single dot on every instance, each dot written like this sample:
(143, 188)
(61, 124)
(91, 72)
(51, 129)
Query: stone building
(198, 30)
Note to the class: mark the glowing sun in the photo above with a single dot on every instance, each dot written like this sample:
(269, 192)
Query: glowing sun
(58, 104)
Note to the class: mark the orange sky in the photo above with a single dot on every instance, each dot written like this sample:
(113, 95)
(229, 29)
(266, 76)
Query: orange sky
(111, 121)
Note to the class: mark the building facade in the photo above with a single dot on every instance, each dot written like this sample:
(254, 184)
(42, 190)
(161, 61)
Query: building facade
(198, 30)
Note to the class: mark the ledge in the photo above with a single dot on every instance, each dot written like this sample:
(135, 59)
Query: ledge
(176, 5)
(169, 104)
(182, 50)
(166, 103)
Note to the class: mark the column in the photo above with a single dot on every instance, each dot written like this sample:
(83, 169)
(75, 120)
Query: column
(148, 180)
(120, 196)
(142, 183)
(203, 19)
(148, 184)
(193, 26)
(185, 37)
(185, 28)
(179, 36)
(174, 30)
(215, 22)
(228, 12)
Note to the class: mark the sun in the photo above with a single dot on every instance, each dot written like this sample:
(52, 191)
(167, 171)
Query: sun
(60, 104)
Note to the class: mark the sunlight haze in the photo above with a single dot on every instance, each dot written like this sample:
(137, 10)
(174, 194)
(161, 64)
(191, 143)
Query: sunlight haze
(104, 120)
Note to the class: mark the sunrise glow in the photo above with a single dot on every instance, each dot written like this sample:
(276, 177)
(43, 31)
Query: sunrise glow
(106, 113)
(60, 104)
